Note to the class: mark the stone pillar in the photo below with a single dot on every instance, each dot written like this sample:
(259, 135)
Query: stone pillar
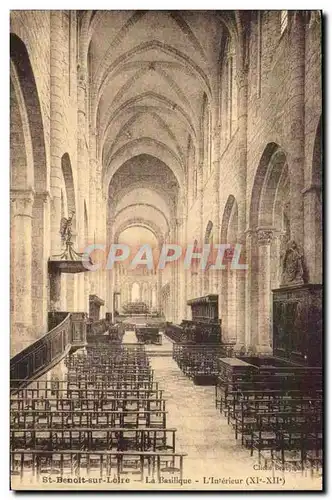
(56, 125)
(216, 206)
(187, 272)
(277, 245)
(150, 296)
(109, 273)
(158, 291)
(176, 282)
(55, 291)
(92, 206)
(103, 240)
(182, 273)
(313, 227)
(200, 275)
(264, 291)
(251, 289)
(40, 254)
(241, 275)
(82, 166)
(295, 122)
(101, 210)
(21, 248)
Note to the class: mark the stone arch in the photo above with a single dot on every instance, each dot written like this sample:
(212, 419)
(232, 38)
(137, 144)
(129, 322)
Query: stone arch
(186, 61)
(21, 151)
(139, 222)
(229, 232)
(69, 186)
(269, 232)
(147, 146)
(260, 175)
(146, 113)
(29, 184)
(137, 194)
(20, 58)
(226, 217)
(314, 245)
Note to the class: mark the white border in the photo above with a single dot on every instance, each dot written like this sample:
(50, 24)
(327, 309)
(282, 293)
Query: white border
(325, 5)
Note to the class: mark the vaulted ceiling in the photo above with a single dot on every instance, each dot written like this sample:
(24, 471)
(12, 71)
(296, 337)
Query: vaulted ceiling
(149, 74)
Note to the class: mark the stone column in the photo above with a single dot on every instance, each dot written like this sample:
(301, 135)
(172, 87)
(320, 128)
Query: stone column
(187, 272)
(295, 122)
(241, 275)
(92, 206)
(101, 210)
(200, 275)
(277, 245)
(82, 169)
(182, 273)
(177, 295)
(40, 254)
(21, 248)
(216, 275)
(264, 291)
(55, 291)
(109, 273)
(158, 289)
(251, 289)
(313, 226)
(56, 125)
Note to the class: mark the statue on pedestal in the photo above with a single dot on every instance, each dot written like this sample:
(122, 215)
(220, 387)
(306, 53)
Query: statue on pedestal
(66, 237)
(292, 265)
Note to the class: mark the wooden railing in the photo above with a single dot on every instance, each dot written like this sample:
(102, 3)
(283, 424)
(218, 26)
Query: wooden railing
(35, 359)
(174, 332)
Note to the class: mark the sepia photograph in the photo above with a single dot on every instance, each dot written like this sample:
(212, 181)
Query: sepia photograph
(166, 250)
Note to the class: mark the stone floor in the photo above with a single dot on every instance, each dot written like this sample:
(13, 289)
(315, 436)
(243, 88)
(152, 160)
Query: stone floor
(209, 441)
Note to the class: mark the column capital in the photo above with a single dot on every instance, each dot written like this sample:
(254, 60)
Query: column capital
(180, 220)
(216, 130)
(265, 235)
(21, 193)
(22, 200)
(81, 80)
(242, 76)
